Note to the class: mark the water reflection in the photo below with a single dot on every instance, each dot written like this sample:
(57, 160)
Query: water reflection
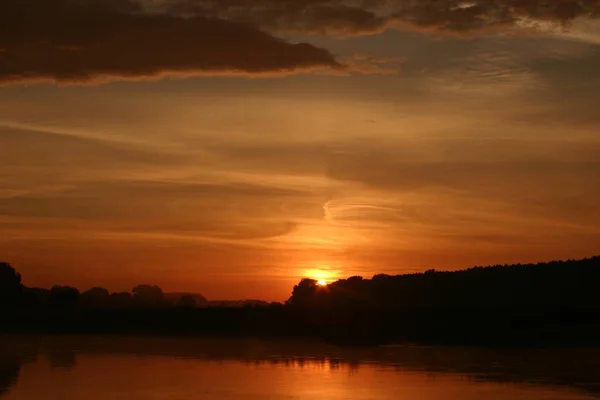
(65, 359)
(9, 373)
(11, 360)
(134, 368)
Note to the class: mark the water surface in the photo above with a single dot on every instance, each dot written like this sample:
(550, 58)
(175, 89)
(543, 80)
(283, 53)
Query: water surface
(97, 368)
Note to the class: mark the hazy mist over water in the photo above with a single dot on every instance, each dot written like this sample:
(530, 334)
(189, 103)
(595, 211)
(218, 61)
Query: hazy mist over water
(93, 368)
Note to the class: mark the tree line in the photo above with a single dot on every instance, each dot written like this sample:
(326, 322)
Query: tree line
(554, 285)
(14, 294)
(545, 303)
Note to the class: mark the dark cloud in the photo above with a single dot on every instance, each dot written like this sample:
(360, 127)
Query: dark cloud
(85, 40)
(356, 17)
(303, 16)
(90, 40)
(469, 16)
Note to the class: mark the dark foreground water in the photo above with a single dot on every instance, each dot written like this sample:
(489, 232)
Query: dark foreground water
(105, 368)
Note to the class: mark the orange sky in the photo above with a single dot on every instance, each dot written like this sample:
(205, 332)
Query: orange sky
(233, 150)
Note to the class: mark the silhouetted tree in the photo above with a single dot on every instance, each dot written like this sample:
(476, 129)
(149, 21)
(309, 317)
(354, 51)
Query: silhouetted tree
(96, 297)
(10, 285)
(304, 293)
(148, 296)
(36, 297)
(64, 296)
(186, 301)
(121, 300)
(174, 298)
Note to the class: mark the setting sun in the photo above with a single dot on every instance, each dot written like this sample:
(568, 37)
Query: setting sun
(322, 275)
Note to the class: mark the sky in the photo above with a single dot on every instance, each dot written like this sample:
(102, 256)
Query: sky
(232, 147)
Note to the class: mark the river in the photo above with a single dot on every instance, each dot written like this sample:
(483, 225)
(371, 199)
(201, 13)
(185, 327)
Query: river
(102, 368)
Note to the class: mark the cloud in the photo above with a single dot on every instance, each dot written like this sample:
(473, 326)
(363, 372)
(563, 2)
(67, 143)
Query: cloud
(175, 210)
(502, 169)
(480, 167)
(456, 16)
(91, 40)
(345, 18)
(363, 17)
(31, 148)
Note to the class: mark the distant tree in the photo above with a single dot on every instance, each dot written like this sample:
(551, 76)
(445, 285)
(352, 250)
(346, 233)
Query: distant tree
(36, 297)
(186, 301)
(95, 297)
(121, 300)
(148, 296)
(64, 296)
(97, 292)
(354, 282)
(10, 284)
(173, 298)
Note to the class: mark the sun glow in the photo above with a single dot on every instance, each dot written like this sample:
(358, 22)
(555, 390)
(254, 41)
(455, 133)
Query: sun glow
(323, 275)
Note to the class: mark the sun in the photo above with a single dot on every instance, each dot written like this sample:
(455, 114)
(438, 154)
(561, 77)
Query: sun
(322, 275)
